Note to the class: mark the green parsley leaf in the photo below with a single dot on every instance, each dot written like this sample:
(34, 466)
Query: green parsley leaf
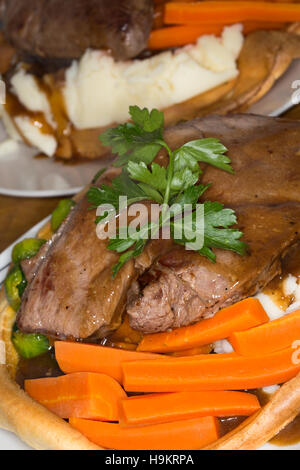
(157, 177)
(183, 179)
(149, 122)
(120, 246)
(203, 150)
(97, 175)
(121, 186)
(217, 233)
(124, 258)
(190, 196)
(137, 141)
(128, 255)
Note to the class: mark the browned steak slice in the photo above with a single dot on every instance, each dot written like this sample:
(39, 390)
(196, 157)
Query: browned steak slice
(182, 286)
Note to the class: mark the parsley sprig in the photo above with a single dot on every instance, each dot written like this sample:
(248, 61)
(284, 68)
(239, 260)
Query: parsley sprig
(136, 145)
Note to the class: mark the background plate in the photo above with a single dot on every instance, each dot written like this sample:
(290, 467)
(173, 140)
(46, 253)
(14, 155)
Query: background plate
(22, 175)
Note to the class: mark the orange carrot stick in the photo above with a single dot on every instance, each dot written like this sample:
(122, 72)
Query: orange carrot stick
(164, 408)
(177, 36)
(207, 349)
(200, 373)
(229, 12)
(240, 316)
(81, 395)
(265, 339)
(79, 357)
(180, 435)
(250, 26)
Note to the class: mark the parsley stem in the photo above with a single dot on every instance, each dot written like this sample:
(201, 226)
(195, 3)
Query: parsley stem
(170, 173)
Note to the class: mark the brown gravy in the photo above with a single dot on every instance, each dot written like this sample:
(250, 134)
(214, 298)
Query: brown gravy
(289, 435)
(37, 368)
(229, 424)
(290, 265)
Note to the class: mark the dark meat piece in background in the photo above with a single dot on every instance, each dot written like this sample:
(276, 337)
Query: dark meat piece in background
(264, 191)
(64, 29)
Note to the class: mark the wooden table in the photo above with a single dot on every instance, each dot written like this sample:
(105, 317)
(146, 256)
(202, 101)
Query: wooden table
(17, 215)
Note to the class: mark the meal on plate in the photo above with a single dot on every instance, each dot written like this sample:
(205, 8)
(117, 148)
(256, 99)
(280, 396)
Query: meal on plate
(181, 334)
(73, 68)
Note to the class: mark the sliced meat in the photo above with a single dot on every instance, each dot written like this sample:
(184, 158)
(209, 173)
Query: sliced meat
(265, 155)
(186, 287)
(182, 286)
(71, 291)
(56, 29)
(29, 266)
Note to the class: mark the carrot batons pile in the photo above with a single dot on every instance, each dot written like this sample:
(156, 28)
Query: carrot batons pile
(180, 23)
(189, 390)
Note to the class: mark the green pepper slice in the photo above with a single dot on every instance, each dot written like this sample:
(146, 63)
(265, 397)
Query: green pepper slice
(29, 346)
(61, 212)
(26, 249)
(15, 284)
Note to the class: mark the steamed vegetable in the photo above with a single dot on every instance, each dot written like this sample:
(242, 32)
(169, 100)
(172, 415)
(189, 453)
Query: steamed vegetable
(26, 249)
(177, 36)
(81, 395)
(240, 316)
(209, 372)
(15, 284)
(229, 12)
(206, 349)
(180, 435)
(60, 213)
(29, 346)
(265, 339)
(163, 408)
(79, 357)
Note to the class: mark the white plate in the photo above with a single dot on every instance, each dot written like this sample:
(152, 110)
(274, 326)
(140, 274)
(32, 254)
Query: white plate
(9, 441)
(22, 175)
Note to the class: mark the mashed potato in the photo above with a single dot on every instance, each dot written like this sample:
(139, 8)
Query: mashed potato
(98, 90)
(290, 288)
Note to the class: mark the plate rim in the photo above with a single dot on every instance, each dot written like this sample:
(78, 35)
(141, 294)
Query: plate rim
(45, 193)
